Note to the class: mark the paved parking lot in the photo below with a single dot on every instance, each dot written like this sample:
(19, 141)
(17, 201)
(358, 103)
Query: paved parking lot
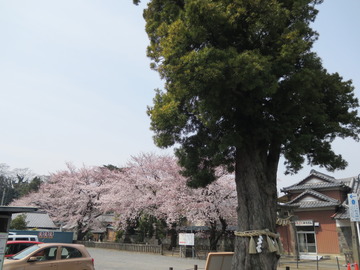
(109, 259)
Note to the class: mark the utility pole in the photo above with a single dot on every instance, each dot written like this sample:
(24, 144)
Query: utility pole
(3, 197)
(353, 203)
(354, 240)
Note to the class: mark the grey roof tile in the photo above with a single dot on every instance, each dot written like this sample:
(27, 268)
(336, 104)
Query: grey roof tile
(38, 220)
(342, 213)
(315, 204)
(322, 200)
(328, 182)
(313, 186)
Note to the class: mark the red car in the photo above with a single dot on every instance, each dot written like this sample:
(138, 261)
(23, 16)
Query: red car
(13, 247)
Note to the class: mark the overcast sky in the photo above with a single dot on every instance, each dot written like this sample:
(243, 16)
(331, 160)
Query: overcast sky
(75, 81)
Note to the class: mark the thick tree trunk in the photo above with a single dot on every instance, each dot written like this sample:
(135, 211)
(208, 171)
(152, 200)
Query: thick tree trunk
(255, 178)
(215, 235)
(173, 236)
(212, 238)
(81, 234)
(127, 234)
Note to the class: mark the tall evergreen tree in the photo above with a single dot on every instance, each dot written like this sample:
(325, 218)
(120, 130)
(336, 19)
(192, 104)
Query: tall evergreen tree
(242, 88)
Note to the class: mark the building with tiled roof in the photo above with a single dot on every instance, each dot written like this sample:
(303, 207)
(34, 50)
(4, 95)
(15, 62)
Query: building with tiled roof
(313, 199)
(320, 215)
(38, 220)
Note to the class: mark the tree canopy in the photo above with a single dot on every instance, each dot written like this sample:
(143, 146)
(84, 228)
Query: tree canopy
(240, 73)
(17, 183)
(242, 87)
(19, 223)
(149, 186)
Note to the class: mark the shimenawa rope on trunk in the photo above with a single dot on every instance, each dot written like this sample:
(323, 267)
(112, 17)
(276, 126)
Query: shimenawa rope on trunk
(273, 240)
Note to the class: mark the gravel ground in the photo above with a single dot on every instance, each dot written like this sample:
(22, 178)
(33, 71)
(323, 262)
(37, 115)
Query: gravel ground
(109, 259)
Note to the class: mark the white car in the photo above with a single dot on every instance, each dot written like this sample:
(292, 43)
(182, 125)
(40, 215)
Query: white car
(19, 237)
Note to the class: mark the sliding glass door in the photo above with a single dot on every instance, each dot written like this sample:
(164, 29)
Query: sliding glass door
(307, 242)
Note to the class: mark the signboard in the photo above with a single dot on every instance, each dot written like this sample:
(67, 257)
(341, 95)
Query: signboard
(304, 223)
(3, 239)
(46, 234)
(353, 203)
(186, 239)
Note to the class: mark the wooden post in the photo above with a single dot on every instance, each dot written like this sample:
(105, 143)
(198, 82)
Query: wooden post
(195, 267)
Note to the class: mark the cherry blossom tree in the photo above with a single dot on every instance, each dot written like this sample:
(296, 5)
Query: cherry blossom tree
(73, 197)
(141, 186)
(215, 205)
(149, 185)
(153, 185)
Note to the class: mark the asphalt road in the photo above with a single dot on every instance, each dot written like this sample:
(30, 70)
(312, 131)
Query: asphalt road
(109, 259)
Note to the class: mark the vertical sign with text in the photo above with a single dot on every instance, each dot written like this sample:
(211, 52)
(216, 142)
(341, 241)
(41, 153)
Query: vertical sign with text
(353, 203)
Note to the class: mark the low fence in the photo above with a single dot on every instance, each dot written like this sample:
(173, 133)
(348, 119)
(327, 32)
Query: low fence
(287, 263)
(156, 249)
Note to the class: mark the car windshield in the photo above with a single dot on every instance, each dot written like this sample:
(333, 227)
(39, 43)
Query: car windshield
(25, 252)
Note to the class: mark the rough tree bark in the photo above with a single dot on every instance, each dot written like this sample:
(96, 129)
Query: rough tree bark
(255, 178)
